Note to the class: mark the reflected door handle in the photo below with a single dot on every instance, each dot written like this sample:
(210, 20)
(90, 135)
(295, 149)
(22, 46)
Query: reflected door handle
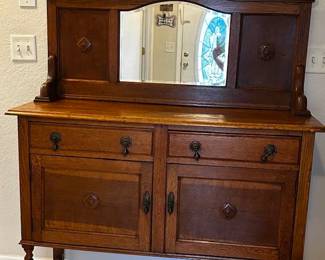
(185, 65)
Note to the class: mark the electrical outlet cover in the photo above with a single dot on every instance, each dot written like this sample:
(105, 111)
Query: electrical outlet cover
(23, 47)
(27, 3)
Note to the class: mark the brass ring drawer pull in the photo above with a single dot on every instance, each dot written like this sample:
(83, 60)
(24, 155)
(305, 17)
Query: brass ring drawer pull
(55, 138)
(126, 142)
(269, 152)
(196, 148)
(229, 211)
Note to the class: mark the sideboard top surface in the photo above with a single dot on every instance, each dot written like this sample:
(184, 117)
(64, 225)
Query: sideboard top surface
(168, 115)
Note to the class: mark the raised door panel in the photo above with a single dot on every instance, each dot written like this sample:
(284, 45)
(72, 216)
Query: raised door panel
(94, 202)
(230, 212)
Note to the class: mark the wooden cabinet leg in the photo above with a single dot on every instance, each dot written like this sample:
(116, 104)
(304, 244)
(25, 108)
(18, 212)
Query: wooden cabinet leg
(58, 254)
(29, 252)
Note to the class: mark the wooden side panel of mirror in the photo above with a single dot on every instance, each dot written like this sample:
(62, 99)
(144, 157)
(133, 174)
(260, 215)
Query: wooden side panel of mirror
(267, 52)
(83, 42)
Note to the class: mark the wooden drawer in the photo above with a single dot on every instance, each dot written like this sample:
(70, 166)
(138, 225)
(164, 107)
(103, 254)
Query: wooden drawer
(90, 139)
(248, 148)
(230, 212)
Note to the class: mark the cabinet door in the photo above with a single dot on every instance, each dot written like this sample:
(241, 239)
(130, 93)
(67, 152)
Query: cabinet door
(232, 212)
(91, 202)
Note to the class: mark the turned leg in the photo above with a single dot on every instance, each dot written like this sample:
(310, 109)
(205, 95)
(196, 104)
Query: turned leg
(58, 254)
(29, 252)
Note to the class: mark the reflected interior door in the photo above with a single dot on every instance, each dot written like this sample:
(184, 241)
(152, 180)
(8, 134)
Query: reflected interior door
(131, 46)
(189, 23)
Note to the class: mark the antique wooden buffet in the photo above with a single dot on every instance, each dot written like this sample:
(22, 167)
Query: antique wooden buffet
(176, 170)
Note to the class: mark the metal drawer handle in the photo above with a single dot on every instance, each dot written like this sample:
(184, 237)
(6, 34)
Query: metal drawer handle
(55, 138)
(126, 142)
(269, 152)
(229, 211)
(196, 147)
(146, 202)
(170, 203)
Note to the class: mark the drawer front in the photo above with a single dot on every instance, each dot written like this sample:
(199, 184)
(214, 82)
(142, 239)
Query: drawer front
(72, 138)
(235, 147)
(90, 201)
(230, 212)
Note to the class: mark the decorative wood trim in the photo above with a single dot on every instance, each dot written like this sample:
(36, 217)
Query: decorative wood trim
(175, 94)
(227, 6)
(234, 50)
(307, 149)
(114, 44)
(159, 189)
(48, 90)
(299, 98)
(25, 178)
(121, 251)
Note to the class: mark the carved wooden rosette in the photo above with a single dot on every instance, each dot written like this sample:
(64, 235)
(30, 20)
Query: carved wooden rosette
(299, 102)
(48, 91)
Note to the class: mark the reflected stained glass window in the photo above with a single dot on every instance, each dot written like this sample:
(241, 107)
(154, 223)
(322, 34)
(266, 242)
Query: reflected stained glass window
(213, 49)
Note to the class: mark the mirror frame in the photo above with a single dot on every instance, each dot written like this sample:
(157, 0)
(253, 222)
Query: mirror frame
(174, 94)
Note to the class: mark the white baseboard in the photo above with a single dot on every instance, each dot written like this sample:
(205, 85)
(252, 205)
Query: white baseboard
(14, 257)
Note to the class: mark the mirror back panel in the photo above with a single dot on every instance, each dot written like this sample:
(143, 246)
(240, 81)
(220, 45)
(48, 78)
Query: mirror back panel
(203, 53)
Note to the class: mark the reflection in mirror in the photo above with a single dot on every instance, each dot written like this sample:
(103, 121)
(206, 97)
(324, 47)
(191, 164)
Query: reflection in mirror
(174, 42)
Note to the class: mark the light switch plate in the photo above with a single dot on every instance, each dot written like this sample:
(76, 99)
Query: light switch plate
(23, 47)
(27, 3)
(316, 60)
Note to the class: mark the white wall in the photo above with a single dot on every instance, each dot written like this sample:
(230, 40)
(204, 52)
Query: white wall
(20, 82)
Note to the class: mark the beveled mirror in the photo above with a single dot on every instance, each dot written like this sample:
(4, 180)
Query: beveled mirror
(174, 43)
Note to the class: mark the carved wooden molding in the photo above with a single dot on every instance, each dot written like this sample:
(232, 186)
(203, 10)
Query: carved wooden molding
(84, 44)
(299, 99)
(48, 89)
(229, 211)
